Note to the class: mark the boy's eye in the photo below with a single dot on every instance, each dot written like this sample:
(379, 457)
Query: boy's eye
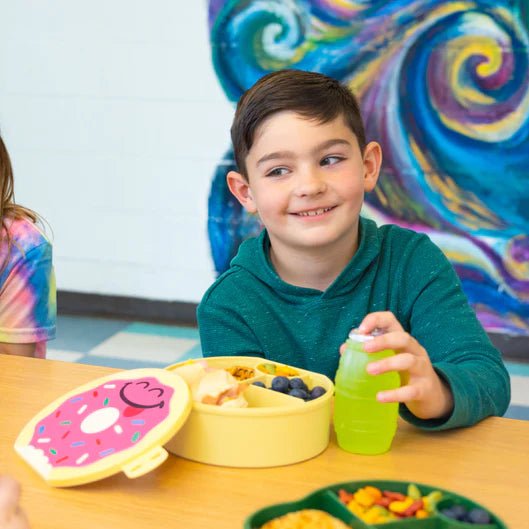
(277, 171)
(331, 160)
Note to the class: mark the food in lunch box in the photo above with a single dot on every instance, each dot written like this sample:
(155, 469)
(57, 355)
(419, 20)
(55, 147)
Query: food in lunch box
(210, 385)
(278, 370)
(295, 387)
(305, 519)
(241, 372)
(375, 506)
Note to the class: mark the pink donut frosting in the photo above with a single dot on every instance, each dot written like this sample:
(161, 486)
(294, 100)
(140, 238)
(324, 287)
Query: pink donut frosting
(102, 421)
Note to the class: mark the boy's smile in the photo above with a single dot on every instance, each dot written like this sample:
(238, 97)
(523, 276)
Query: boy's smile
(306, 180)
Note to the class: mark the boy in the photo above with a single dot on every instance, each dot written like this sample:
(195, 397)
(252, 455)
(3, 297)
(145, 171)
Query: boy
(319, 268)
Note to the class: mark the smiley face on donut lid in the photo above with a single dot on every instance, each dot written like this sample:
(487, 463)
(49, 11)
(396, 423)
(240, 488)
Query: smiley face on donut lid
(112, 424)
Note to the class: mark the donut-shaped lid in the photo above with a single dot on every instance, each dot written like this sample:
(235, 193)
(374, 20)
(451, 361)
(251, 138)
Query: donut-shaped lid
(115, 423)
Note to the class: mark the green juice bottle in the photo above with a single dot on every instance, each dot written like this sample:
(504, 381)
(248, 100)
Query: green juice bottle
(362, 424)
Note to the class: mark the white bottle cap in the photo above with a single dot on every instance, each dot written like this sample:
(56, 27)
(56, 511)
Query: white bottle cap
(357, 336)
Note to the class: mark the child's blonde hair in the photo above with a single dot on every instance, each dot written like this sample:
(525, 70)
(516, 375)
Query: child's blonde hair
(8, 208)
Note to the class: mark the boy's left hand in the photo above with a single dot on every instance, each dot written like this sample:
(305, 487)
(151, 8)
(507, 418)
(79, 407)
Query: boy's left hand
(423, 392)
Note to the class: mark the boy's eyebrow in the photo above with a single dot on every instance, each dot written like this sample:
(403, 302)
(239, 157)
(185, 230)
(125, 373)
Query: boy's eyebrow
(288, 154)
(275, 156)
(330, 143)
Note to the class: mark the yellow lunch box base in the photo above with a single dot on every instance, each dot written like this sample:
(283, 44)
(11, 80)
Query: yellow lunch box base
(276, 429)
(266, 442)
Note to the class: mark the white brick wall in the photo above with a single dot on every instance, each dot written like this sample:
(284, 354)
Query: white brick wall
(115, 121)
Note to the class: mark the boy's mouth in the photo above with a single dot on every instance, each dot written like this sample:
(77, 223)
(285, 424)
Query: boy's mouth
(313, 212)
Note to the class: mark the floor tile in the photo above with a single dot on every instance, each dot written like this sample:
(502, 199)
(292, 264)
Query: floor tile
(81, 334)
(520, 390)
(63, 356)
(118, 363)
(162, 350)
(518, 412)
(515, 368)
(163, 330)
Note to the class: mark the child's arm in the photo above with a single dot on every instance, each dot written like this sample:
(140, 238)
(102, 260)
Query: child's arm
(452, 374)
(27, 302)
(11, 515)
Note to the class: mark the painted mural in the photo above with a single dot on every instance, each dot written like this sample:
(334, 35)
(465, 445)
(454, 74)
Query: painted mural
(444, 87)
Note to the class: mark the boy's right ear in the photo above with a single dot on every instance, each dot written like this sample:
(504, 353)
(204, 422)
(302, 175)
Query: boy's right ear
(240, 189)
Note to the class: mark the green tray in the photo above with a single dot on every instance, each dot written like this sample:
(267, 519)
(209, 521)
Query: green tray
(326, 499)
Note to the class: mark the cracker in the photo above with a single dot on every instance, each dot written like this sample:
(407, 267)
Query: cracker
(306, 519)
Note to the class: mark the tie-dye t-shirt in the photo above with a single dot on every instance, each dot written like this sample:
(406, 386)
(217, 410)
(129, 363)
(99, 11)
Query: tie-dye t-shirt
(27, 287)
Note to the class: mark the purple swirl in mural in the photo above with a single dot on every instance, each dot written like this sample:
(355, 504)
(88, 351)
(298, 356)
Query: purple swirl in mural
(444, 87)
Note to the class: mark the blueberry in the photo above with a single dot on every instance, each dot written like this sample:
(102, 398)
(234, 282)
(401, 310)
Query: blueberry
(459, 511)
(299, 393)
(297, 383)
(259, 383)
(280, 384)
(478, 516)
(449, 513)
(317, 391)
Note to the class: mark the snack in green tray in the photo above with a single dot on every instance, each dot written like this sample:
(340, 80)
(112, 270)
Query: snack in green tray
(376, 506)
(306, 519)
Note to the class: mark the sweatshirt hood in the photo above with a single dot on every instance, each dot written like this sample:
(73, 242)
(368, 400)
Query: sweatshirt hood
(253, 257)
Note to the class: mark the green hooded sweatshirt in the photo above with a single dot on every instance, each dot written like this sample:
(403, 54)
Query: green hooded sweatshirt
(250, 310)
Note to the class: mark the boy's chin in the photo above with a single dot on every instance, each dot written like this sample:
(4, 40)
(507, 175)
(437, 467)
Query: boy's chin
(324, 243)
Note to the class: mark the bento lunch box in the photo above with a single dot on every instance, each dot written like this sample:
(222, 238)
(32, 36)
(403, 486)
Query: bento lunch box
(327, 500)
(275, 429)
(121, 422)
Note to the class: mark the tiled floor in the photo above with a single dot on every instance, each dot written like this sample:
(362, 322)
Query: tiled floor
(122, 344)
(127, 345)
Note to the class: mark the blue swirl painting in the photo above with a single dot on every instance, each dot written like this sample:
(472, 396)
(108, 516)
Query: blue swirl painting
(444, 87)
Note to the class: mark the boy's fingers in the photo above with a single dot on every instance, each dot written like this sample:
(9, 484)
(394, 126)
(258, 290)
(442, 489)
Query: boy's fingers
(381, 320)
(402, 394)
(400, 362)
(398, 341)
(342, 348)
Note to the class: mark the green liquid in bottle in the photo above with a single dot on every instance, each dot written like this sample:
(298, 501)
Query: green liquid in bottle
(362, 424)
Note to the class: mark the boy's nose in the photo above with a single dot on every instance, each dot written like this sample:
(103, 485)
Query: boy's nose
(310, 182)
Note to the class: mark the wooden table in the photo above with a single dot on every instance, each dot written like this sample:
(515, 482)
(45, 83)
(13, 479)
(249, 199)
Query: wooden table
(488, 462)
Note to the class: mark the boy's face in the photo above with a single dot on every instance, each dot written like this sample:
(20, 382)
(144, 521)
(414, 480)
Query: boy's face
(306, 180)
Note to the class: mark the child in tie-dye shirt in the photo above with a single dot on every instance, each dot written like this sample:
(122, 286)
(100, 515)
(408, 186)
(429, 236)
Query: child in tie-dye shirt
(27, 281)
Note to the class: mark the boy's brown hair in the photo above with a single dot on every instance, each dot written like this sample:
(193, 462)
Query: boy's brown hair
(312, 95)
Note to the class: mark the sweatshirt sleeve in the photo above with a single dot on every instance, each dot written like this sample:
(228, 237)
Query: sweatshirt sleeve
(223, 331)
(443, 322)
